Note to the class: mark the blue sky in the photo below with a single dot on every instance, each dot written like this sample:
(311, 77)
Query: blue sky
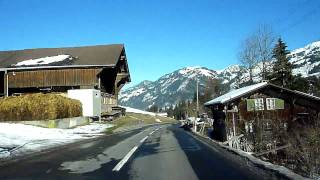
(160, 36)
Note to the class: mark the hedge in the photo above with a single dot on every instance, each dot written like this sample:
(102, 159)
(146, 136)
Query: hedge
(38, 107)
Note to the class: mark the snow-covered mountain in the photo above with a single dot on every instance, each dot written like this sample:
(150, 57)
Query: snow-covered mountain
(167, 90)
(306, 60)
(181, 84)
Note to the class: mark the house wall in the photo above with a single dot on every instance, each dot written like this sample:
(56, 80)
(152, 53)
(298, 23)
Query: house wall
(287, 114)
(54, 77)
(90, 100)
(108, 101)
(266, 128)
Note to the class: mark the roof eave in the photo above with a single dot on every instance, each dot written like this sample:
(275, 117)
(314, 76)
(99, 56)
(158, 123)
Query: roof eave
(236, 97)
(56, 67)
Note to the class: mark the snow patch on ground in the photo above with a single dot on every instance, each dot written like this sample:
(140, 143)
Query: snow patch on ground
(20, 139)
(133, 110)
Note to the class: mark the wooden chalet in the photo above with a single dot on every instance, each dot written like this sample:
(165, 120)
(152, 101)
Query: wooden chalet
(102, 67)
(262, 111)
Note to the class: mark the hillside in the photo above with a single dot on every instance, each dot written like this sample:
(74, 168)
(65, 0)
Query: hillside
(167, 90)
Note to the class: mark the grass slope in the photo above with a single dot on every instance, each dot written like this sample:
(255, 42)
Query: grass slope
(134, 119)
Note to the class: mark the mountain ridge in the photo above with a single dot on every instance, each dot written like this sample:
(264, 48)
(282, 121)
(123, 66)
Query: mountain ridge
(180, 84)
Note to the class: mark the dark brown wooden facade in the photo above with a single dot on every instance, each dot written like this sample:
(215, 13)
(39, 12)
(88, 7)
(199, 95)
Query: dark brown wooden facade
(235, 117)
(54, 77)
(99, 67)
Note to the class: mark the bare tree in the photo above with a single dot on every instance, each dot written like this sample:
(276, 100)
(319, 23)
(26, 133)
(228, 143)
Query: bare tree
(265, 41)
(248, 55)
(256, 49)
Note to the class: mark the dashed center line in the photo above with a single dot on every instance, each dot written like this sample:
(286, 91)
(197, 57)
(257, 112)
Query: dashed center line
(130, 153)
(125, 159)
(142, 140)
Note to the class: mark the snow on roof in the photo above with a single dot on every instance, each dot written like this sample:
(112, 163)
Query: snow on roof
(43, 60)
(235, 94)
(86, 55)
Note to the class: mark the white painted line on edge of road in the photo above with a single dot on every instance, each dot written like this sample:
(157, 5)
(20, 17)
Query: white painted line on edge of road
(125, 159)
(142, 140)
(151, 133)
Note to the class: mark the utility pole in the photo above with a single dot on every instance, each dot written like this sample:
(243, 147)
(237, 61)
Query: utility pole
(197, 98)
(6, 84)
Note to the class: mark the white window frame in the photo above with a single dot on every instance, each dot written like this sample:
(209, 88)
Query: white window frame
(259, 104)
(271, 103)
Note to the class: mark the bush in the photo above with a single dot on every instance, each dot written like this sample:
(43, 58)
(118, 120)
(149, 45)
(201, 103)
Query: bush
(304, 154)
(38, 107)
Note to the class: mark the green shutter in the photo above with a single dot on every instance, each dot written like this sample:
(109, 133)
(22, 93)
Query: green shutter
(279, 103)
(250, 104)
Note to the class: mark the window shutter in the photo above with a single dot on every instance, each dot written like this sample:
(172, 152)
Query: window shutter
(279, 103)
(250, 104)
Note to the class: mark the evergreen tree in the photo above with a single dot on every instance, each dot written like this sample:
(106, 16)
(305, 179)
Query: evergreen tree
(282, 69)
(170, 111)
(300, 84)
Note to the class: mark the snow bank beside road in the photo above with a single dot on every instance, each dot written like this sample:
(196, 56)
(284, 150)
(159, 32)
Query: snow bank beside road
(20, 139)
(133, 110)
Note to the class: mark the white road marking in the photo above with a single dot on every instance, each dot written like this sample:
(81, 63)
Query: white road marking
(130, 153)
(142, 140)
(156, 130)
(125, 159)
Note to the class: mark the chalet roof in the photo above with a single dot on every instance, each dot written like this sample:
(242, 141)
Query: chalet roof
(242, 92)
(233, 94)
(100, 55)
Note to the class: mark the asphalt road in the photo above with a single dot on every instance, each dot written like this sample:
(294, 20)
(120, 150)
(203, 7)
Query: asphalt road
(157, 152)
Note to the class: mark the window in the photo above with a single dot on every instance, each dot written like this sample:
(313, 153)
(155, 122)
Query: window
(258, 104)
(255, 104)
(274, 103)
(271, 103)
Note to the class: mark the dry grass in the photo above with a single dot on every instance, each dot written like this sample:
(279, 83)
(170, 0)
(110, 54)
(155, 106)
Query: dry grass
(132, 119)
(38, 107)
